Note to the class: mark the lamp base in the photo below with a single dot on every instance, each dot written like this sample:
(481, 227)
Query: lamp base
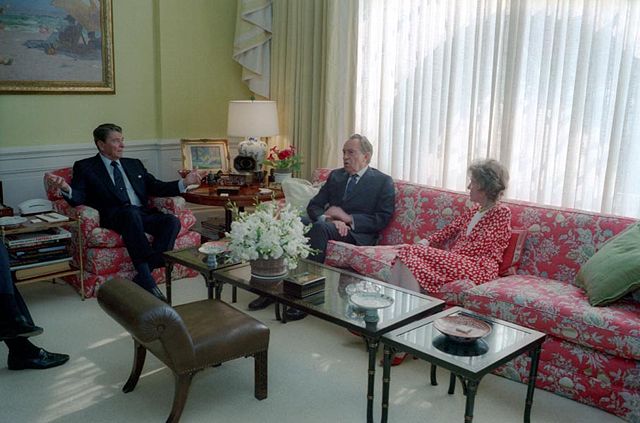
(254, 148)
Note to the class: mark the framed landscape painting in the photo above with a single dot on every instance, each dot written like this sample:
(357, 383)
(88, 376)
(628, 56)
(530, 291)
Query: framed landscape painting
(56, 46)
(205, 154)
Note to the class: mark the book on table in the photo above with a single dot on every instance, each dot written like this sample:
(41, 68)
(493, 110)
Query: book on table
(40, 246)
(40, 253)
(38, 250)
(52, 217)
(34, 238)
(38, 259)
(41, 269)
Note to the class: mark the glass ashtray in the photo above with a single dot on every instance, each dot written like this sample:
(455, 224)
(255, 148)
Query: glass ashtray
(364, 287)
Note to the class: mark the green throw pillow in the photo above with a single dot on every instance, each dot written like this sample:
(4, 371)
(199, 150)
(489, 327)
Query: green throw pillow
(614, 270)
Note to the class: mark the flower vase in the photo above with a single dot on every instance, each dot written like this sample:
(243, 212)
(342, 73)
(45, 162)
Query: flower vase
(268, 268)
(280, 175)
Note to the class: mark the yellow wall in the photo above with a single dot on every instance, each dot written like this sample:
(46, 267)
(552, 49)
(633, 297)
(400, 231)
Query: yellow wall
(173, 72)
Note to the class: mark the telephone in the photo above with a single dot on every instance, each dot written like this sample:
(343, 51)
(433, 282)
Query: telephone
(37, 205)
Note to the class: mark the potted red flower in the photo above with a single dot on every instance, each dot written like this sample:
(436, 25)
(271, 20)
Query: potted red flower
(284, 159)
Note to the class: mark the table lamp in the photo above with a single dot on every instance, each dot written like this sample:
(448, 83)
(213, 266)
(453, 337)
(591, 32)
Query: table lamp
(252, 119)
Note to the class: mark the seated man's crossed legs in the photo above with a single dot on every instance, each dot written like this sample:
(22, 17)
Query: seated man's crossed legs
(132, 223)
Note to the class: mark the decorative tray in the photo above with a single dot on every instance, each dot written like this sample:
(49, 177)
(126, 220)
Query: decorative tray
(370, 300)
(462, 328)
(12, 221)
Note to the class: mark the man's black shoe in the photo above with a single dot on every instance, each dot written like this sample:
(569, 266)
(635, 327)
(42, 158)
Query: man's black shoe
(294, 314)
(159, 295)
(44, 360)
(260, 303)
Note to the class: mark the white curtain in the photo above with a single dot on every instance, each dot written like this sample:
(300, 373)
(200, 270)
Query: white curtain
(252, 44)
(551, 88)
(314, 69)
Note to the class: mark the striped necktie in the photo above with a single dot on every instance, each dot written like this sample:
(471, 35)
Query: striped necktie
(118, 181)
(351, 184)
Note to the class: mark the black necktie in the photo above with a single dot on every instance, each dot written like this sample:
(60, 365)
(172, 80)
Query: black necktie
(118, 181)
(351, 184)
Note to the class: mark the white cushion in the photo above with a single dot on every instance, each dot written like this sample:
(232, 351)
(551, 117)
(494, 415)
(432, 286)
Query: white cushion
(298, 193)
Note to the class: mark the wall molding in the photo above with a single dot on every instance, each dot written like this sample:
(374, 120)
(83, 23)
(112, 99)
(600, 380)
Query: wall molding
(22, 169)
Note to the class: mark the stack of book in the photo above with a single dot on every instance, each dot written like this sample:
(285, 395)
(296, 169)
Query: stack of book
(39, 253)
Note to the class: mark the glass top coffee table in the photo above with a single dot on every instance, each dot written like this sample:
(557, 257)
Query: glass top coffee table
(469, 360)
(333, 304)
(193, 259)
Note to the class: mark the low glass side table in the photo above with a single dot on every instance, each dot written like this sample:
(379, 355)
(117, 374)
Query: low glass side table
(469, 362)
(193, 259)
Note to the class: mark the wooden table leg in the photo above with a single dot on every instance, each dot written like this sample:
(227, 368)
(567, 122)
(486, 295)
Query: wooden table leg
(168, 270)
(533, 373)
(472, 388)
(434, 379)
(372, 346)
(386, 379)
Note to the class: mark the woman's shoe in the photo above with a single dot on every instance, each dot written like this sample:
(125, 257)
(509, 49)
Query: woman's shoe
(397, 359)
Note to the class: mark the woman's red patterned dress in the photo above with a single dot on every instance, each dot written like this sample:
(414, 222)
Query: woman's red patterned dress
(476, 256)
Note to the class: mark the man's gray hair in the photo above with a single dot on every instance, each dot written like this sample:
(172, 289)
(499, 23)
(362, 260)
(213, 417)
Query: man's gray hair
(365, 144)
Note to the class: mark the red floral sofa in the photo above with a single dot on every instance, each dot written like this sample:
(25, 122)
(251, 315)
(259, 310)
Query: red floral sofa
(103, 251)
(592, 354)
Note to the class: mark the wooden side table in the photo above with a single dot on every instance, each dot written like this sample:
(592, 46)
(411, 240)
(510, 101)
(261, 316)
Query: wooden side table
(246, 196)
(29, 227)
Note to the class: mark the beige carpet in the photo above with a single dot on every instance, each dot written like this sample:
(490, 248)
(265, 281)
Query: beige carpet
(317, 373)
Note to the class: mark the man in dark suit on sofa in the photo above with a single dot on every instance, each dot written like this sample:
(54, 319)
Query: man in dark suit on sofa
(119, 189)
(353, 206)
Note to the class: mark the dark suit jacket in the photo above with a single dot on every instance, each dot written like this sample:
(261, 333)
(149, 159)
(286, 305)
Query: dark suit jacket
(371, 203)
(92, 186)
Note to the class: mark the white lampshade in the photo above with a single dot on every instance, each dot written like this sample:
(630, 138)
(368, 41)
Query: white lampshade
(252, 118)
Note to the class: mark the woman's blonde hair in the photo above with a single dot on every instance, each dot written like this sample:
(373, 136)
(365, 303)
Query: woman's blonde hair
(491, 176)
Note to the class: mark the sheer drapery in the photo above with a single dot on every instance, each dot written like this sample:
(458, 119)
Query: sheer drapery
(252, 44)
(313, 69)
(551, 88)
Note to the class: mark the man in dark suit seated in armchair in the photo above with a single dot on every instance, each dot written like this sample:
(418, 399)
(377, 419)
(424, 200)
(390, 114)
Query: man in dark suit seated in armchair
(353, 206)
(119, 189)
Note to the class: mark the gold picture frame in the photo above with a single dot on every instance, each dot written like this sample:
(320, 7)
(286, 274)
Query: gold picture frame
(57, 47)
(211, 154)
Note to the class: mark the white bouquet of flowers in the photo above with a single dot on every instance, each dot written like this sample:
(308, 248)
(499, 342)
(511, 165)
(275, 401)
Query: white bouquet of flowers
(270, 232)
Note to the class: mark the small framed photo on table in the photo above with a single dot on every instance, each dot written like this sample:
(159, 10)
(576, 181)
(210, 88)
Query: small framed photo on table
(205, 154)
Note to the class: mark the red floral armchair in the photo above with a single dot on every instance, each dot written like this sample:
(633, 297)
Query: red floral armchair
(104, 253)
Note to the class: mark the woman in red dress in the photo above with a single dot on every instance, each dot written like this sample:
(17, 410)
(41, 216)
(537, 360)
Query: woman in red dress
(478, 238)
